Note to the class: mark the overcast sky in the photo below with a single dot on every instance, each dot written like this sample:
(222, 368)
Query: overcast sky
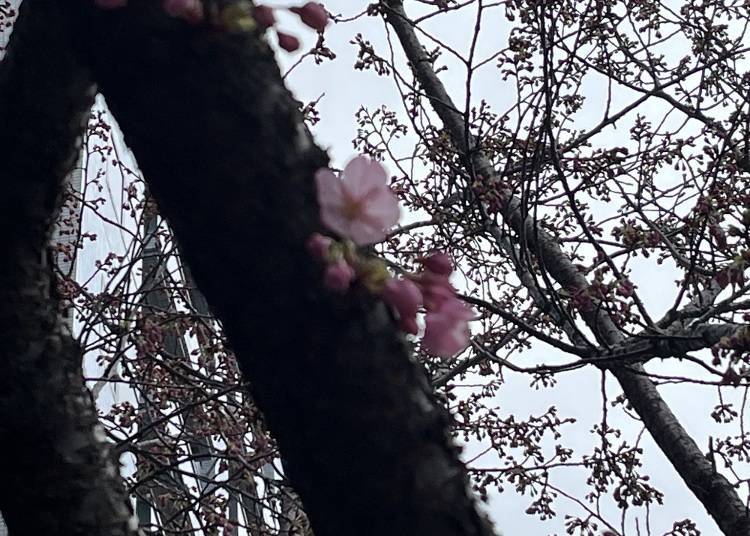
(343, 91)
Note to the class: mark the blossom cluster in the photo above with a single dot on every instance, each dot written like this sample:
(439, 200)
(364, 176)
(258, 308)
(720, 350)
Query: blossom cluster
(239, 16)
(360, 207)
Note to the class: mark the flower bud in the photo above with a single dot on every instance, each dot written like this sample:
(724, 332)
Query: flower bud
(312, 14)
(317, 245)
(288, 42)
(338, 276)
(264, 16)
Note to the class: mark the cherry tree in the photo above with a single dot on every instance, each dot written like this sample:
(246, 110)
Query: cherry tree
(579, 180)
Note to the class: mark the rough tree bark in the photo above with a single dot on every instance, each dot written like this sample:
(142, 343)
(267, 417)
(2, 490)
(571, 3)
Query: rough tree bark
(711, 488)
(58, 476)
(225, 154)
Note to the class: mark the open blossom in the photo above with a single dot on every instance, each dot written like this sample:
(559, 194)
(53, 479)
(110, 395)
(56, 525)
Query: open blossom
(406, 298)
(447, 329)
(359, 205)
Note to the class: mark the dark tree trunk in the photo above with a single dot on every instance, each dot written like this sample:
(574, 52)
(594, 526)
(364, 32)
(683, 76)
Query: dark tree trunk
(231, 165)
(57, 473)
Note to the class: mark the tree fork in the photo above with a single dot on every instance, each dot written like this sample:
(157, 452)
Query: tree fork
(227, 157)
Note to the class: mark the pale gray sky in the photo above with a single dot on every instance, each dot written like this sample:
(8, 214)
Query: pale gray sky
(344, 90)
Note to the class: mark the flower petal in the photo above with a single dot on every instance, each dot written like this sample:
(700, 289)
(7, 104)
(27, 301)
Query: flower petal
(362, 232)
(362, 175)
(436, 288)
(447, 329)
(443, 336)
(382, 208)
(331, 201)
(359, 205)
(404, 296)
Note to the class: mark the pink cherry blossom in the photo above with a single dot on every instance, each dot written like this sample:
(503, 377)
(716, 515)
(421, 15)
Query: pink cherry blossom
(438, 263)
(313, 15)
(447, 328)
(287, 42)
(318, 245)
(338, 276)
(405, 297)
(358, 205)
(110, 4)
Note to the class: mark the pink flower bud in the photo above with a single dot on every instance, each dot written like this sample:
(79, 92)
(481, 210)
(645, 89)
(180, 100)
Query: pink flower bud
(404, 296)
(288, 42)
(338, 276)
(317, 245)
(264, 16)
(312, 14)
(110, 4)
(438, 263)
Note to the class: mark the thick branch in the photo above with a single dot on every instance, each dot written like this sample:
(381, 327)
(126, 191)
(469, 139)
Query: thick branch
(231, 165)
(58, 474)
(710, 487)
(675, 342)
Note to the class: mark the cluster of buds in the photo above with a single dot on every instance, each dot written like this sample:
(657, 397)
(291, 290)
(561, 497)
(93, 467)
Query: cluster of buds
(360, 207)
(238, 16)
(311, 14)
(344, 264)
(446, 317)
